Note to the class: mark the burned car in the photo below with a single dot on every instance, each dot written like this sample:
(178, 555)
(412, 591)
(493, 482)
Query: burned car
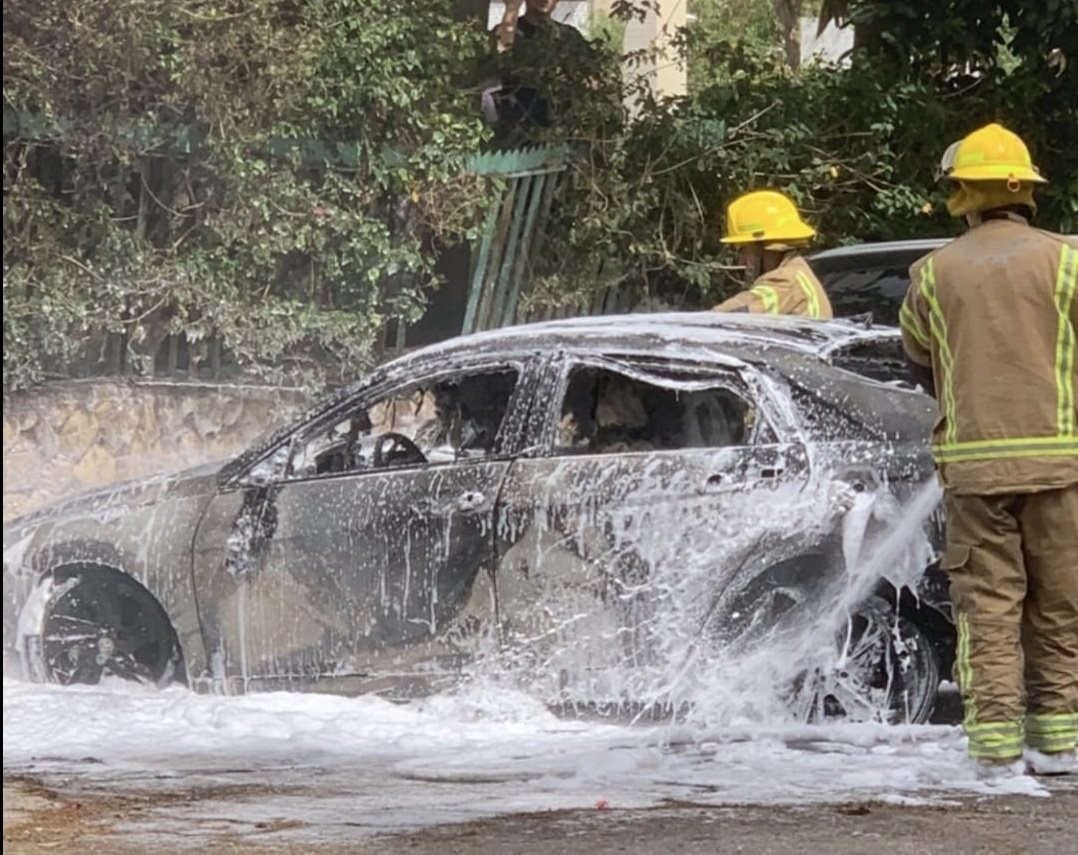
(588, 504)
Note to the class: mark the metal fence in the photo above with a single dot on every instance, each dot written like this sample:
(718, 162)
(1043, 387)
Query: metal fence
(513, 233)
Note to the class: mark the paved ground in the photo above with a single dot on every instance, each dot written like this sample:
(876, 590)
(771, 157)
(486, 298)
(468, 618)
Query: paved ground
(38, 820)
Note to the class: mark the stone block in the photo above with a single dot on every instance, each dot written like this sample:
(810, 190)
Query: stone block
(48, 443)
(22, 469)
(232, 410)
(96, 467)
(78, 432)
(26, 419)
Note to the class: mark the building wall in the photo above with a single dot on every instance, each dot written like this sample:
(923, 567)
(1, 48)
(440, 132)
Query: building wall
(663, 69)
(829, 46)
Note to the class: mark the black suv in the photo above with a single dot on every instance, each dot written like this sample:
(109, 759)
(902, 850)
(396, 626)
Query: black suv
(870, 277)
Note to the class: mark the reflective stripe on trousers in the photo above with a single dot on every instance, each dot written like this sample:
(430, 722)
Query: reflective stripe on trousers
(1052, 733)
(988, 740)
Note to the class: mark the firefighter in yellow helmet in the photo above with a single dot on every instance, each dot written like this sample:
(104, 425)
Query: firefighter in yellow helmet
(989, 325)
(768, 230)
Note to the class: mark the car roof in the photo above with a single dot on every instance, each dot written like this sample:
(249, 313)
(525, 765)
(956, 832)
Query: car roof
(709, 336)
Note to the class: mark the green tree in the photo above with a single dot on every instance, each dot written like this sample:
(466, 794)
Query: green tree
(720, 23)
(984, 60)
(857, 145)
(150, 184)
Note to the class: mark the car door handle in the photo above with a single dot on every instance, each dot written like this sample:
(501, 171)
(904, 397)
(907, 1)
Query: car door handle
(470, 501)
(716, 482)
(721, 480)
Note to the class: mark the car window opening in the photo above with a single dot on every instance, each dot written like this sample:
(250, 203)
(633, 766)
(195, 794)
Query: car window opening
(878, 290)
(452, 418)
(605, 412)
(881, 360)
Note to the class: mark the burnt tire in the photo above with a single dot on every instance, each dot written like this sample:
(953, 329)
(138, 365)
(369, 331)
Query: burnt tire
(886, 670)
(100, 623)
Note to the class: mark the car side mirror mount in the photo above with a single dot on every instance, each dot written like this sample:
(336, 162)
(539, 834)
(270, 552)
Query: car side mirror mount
(270, 469)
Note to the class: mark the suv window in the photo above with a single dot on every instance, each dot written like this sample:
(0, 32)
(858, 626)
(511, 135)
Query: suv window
(607, 412)
(450, 418)
(879, 290)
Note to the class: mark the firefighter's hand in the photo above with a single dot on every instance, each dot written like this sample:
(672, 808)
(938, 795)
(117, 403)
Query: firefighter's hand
(506, 32)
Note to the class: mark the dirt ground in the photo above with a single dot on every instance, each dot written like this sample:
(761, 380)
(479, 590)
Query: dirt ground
(38, 820)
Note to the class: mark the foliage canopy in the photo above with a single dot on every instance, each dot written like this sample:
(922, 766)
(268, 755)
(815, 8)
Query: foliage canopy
(165, 174)
(281, 175)
(855, 143)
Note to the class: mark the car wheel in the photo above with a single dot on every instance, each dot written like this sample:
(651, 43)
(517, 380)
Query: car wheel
(885, 669)
(101, 623)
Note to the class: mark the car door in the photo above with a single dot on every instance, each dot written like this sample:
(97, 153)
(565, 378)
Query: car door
(355, 549)
(658, 485)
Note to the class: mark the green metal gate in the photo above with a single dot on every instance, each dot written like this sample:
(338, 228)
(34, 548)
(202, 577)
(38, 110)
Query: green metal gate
(512, 234)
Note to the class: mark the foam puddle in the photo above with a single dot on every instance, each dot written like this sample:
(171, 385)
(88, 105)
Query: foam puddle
(358, 765)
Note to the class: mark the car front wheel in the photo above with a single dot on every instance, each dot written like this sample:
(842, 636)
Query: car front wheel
(101, 623)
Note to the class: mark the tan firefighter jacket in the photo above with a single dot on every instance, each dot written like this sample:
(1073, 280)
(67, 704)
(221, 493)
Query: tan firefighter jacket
(790, 289)
(994, 315)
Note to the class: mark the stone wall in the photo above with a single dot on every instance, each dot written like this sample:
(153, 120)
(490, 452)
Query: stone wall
(67, 437)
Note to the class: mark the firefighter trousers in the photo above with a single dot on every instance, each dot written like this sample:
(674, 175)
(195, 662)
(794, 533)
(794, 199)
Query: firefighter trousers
(1013, 566)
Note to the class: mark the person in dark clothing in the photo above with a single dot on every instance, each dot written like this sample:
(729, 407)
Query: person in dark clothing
(530, 50)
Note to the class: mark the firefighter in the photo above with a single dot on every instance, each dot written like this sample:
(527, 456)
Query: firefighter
(989, 327)
(768, 229)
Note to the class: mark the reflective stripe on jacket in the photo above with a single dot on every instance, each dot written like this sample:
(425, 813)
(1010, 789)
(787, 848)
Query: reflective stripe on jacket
(790, 289)
(994, 315)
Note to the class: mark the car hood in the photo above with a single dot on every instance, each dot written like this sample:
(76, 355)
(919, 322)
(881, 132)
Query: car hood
(118, 498)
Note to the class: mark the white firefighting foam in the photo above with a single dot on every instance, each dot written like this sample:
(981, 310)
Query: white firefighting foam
(478, 752)
(488, 749)
(657, 642)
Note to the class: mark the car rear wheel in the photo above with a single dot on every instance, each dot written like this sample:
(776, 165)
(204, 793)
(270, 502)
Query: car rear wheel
(884, 669)
(102, 623)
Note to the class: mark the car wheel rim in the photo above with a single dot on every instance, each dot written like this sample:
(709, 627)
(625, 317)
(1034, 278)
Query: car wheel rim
(868, 680)
(96, 629)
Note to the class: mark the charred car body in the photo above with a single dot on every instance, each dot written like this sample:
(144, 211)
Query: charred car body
(579, 500)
